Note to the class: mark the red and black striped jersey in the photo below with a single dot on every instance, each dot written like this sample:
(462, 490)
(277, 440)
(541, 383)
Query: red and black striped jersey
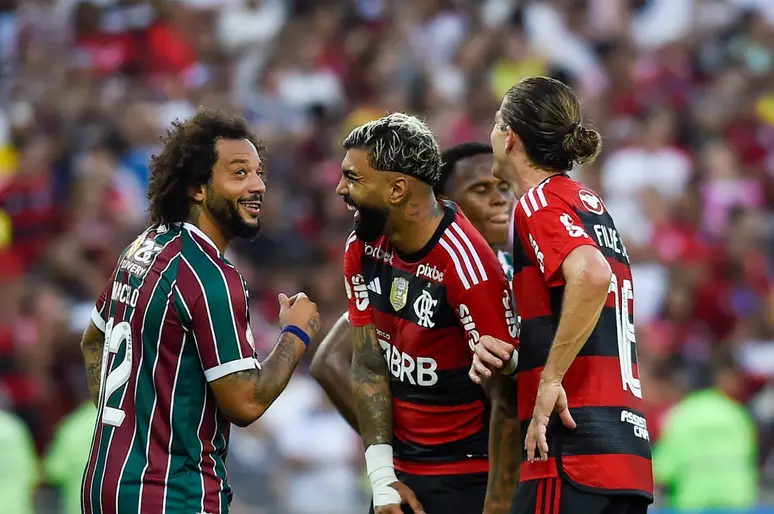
(429, 308)
(609, 451)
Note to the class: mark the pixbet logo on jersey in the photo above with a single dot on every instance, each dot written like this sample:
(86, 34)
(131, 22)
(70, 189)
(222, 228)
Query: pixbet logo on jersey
(429, 271)
(378, 253)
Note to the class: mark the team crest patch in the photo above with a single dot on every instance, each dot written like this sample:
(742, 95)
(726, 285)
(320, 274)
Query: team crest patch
(591, 202)
(399, 293)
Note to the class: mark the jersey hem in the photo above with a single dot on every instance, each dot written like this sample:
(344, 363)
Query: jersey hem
(462, 467)
(96, 318)
(228, 368)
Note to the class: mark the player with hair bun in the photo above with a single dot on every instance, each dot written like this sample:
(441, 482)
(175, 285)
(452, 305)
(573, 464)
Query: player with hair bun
(586, 442)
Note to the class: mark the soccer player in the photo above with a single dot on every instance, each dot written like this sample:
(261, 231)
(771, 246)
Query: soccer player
(466, 179)
(423, 286)
(580, 398)
(169, 353)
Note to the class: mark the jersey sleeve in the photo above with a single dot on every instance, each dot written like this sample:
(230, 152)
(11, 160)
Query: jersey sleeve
(478, 290)
(216, 310)
(359, 308)
(551, 232)
(99, 314)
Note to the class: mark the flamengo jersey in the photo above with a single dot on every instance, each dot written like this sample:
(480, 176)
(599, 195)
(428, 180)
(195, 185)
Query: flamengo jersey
(609, 451)
(429, 309)
(175, 317)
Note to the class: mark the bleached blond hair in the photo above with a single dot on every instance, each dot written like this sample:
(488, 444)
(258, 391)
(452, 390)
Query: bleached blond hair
(400, 143)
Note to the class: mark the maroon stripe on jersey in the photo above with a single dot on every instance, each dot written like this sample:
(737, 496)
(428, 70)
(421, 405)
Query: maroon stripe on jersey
(170, 353)
(94, 456)
(589, 383)
(420, 423)
(123, 436)
(603, 472)
(207, 432)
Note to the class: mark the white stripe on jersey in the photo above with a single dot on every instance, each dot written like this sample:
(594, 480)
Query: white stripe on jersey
(473, 252)
(456, 261)
(350, 239)
(534, 204)
(449, 235)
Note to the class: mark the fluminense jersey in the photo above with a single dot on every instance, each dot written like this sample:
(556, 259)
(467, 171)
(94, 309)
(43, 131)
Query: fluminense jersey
(175, 317)
(429, 308)
(609, 451)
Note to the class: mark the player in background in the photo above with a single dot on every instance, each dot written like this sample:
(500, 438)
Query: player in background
(579, 391)
(169, 353)
(466, 179)
(423, 286)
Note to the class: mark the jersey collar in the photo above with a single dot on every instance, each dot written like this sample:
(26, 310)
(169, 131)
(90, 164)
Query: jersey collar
(196, 230)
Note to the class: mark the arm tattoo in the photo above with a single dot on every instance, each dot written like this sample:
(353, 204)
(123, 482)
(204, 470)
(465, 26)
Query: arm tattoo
(371, 387)
(504, 445)
(275, 372)
(92, 344)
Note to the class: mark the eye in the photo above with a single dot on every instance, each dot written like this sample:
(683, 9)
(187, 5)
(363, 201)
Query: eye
(480, 190)
(504, 187)
(241, 172)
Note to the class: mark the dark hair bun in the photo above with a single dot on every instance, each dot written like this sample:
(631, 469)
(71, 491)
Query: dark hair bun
(582, 145)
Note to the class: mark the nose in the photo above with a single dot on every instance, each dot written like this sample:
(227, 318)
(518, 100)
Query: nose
(257, 185)
(341, 188)
(499, 197)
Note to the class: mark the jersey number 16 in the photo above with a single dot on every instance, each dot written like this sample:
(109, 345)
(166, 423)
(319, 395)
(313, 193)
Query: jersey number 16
(625, 333)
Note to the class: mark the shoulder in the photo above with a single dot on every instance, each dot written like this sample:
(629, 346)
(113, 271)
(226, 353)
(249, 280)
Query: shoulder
(205, 270)
(558, 193)
(466, 253)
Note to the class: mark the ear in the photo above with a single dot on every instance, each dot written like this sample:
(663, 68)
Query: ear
(197, 194)
(512, 140)
(399, 191)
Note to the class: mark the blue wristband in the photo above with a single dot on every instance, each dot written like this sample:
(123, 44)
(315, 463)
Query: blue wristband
(299, 333)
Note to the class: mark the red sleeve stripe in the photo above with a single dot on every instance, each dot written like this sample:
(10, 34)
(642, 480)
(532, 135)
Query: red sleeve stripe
(465, 239)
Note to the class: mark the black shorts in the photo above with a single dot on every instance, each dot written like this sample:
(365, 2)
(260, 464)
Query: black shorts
(555, 496)
(442, 494)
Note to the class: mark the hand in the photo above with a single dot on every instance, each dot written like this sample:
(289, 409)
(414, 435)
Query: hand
(489, 355)
(551, 399)
(406, 496)
(300, 311)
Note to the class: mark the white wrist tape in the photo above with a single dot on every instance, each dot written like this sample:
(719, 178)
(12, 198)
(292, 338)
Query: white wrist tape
(381, 473)
(510, 366)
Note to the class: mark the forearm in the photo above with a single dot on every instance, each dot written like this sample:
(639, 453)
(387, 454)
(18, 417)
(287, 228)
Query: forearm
(92, 344)
(504, 446)
(331, 368)
(337, 384)
(371, 389)
(582, 305)
(276, 370)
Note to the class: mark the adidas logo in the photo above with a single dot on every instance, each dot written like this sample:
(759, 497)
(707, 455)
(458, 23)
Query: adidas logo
(375, 286)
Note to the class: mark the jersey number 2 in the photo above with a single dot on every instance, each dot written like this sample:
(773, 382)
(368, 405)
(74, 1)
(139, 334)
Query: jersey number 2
(115, 337)
(625, 333)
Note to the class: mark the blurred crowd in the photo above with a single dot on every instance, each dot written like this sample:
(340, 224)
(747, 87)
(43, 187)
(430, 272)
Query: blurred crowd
(681, 90)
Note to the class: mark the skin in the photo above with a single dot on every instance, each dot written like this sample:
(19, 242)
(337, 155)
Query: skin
(488, 204)
(218, 210)
(413, 217)
(587, 278)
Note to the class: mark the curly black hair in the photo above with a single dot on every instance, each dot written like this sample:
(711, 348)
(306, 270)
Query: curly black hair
(187, 160)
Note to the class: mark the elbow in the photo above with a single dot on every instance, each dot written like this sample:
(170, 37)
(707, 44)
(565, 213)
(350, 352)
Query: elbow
(245, 416)
(595, 274)
(319, 369)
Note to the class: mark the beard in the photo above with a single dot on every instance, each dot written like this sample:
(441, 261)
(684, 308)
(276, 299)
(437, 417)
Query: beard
(369, 221)
(226, 213)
